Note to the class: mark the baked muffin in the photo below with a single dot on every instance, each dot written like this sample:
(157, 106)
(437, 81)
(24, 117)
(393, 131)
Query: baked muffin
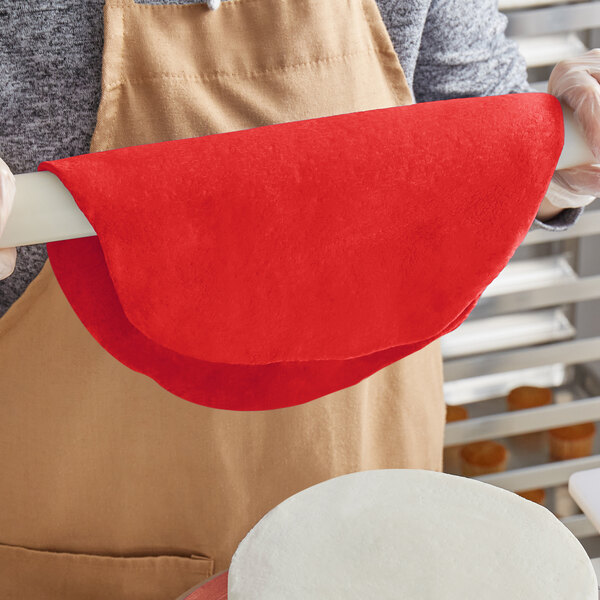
(481, 458)
(528, 396)
(575, 441)
(456, 413)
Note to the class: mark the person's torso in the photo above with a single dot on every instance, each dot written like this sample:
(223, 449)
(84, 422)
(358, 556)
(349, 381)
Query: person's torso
(50, 72)
(102, 467)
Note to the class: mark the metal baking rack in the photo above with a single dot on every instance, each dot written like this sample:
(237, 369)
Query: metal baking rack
(524, 329)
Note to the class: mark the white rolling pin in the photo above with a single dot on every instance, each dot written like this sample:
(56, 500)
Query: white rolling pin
(44, 210)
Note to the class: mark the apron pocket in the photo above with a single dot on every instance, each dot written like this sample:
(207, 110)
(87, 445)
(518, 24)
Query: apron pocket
(27, 574)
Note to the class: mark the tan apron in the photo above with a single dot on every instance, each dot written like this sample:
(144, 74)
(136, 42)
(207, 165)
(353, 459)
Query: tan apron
(112, 488)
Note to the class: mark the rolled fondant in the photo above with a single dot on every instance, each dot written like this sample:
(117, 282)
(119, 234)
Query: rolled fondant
(419, 535)
(264, 268)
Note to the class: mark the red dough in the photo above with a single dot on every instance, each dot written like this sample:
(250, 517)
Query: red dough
(264, 268)
(214, 589)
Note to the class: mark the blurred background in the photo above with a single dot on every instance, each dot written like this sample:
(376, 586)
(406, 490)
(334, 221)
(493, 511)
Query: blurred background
(523, 372)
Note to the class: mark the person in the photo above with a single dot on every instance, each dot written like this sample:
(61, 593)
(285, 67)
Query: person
(105, 476)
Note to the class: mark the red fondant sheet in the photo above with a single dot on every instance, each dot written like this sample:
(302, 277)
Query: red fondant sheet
(213, 589)
(265, 268)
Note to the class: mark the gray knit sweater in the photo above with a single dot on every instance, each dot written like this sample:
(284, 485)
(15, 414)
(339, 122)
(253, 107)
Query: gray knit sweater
(51, 63)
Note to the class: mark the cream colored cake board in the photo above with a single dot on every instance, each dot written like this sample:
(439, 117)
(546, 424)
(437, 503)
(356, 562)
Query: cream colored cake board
(410, 535)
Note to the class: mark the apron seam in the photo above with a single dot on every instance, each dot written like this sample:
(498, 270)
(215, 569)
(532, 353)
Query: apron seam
(385, 48)
(121, 65)
(201, 564)
(105, 87)
(241, 74)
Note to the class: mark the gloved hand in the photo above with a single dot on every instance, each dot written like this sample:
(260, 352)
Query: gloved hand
(8, 256)
(576, 82)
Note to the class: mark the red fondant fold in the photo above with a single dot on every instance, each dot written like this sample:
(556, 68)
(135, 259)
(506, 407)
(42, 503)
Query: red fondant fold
(267, 267)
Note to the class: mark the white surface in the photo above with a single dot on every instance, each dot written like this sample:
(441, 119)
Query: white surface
(584, 486)
(410, 534)
(44, 210)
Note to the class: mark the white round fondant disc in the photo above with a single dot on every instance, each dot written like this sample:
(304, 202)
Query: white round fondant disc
(409, 535)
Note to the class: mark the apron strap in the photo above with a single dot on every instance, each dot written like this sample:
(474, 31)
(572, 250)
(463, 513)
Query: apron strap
(119, 3)
(212, 4)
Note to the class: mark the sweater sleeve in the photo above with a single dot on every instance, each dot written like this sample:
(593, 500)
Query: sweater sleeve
(465, 53)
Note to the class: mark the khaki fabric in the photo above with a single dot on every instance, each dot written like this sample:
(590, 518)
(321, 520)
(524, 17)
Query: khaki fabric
(181, 71)
(102, 470)
(48, 575)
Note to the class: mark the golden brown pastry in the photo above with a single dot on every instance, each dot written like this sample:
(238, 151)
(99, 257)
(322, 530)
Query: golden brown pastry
(575, 441)
(481, 458)
(528, 396)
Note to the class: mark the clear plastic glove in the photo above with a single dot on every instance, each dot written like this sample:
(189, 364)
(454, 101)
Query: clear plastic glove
(576, 82)
(8, 188)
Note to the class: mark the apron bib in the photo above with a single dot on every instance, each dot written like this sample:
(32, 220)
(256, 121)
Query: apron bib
(110, 486)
